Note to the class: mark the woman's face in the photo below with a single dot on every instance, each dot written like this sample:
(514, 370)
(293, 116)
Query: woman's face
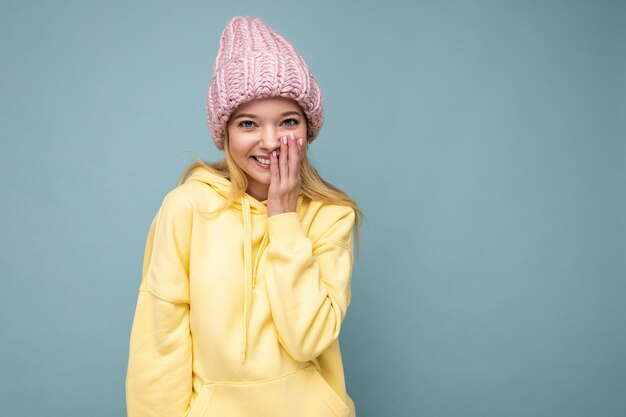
(255, 129)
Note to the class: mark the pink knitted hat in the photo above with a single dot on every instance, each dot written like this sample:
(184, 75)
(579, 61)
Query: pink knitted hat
(254, 61)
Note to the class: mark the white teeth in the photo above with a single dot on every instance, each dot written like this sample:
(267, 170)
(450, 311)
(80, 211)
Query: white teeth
(261, 160)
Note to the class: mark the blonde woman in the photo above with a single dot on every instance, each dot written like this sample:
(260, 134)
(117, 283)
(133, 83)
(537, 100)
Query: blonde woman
(248, 261)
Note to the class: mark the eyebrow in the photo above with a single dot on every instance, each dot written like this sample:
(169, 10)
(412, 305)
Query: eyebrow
(252, 116)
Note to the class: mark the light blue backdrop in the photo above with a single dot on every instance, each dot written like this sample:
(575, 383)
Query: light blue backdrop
(484, 140)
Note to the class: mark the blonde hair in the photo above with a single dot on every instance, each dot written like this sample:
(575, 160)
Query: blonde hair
(312, 185)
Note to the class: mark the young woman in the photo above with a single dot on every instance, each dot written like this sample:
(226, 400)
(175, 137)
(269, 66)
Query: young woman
(248, 261)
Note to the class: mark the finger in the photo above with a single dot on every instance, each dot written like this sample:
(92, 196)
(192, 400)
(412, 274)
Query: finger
(294, 156)
(301, 148)
(274, 174)
(283, 158)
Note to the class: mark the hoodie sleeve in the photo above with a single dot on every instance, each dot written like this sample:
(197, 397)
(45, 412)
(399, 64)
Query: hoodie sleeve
(308, 283)
(159, 374)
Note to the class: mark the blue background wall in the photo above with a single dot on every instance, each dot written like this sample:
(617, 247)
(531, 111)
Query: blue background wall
(484, 140)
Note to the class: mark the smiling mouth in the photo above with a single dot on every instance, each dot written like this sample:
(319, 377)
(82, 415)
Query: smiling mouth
(264, 161)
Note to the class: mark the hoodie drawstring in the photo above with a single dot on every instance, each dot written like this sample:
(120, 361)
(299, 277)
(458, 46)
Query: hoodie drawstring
(249, 274)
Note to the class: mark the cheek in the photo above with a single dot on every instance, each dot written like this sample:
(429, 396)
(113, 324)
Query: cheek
(237, 146)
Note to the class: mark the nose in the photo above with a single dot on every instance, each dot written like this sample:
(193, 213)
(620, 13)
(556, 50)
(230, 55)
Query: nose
(270, 140)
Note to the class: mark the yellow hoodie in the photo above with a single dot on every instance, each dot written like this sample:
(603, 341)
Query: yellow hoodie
(239, 314)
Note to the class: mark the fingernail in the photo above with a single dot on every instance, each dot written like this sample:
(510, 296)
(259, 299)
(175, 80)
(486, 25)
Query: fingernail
(293, 135)
(300, 141)
(285, 140)
(274, 154)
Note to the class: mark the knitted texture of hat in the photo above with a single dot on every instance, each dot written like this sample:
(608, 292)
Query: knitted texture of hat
(254, 61)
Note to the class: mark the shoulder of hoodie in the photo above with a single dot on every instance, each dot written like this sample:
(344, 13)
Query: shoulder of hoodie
(187, 197)
(322, 219)
(324, 210)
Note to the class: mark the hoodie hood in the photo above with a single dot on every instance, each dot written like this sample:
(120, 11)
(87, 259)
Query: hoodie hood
(222, 186)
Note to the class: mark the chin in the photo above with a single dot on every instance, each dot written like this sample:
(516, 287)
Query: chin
(260, 180)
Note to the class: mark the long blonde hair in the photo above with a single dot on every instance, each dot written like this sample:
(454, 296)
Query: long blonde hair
(312, 185)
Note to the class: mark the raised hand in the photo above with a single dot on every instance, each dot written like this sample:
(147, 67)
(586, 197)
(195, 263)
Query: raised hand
(285, 176)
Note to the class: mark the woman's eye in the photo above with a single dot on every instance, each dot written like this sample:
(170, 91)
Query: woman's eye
(287, 122)
(246, 123)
